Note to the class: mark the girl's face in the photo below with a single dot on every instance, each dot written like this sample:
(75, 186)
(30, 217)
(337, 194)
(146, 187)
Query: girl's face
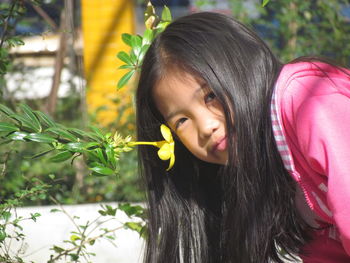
(192, 111)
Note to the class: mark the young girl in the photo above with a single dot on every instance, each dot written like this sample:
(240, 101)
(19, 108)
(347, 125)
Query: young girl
(262, 149)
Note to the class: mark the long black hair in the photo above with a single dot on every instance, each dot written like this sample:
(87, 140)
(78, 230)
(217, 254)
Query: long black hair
(198, 212)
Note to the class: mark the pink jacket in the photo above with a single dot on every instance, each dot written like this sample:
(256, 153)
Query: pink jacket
(312, 130)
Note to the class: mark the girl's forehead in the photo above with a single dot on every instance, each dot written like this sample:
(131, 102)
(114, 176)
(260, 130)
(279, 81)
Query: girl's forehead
(172, 81)
(174, 90)
(176, 81)
(175, 75)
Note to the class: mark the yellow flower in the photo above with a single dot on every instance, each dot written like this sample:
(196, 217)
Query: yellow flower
(166, 147)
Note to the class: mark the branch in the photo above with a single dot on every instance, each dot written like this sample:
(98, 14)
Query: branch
(45, 16)
(6, 23)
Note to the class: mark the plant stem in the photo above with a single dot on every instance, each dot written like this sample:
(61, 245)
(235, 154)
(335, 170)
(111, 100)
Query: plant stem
(86, 241)
(144, 143)
(6, 23)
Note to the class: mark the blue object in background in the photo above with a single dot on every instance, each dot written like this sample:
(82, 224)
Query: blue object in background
(170, 2)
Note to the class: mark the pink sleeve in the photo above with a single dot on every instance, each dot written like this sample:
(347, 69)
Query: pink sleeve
(323, 133)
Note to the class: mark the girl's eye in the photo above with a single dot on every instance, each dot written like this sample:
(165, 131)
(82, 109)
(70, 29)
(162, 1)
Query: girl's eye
(180, 122)
(209, 97)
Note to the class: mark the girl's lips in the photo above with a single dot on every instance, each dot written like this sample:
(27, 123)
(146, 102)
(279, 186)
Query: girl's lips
(221, 145)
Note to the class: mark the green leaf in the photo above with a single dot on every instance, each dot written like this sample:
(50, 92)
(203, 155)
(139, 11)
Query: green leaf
(265, 2)
(108, 210)
(3, 235)
(91, 145)
(123, 56)
(76, 146)
(126, 67)
(77, 132)
(42, 153)
(161, 26)
(61, 156)
(126, 39)
(102, 170)
(14, 41)
(122, 82)
(101, 157)
(74, 257)
(54, 210)
(82, 134)
(17, 136)
(7, 127)
(6, 110)
(134, 226)
(133, 58)
(84, 227)
(25, 122)
(6, 216)
(57, 249)
(110, 155)
(131, 210)
(45, 118)
(111, 211)
(147, 37)
(30, 114)
(39, 137)
(34, 216)
(97, 132)
(62, 133)
(74, 238)
(166, 14)
(136, 42)
(102, 212)
(143, 52)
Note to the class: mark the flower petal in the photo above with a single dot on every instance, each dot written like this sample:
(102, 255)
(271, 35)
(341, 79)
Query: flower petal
(164, 152)
(166, 132)
(172, 161)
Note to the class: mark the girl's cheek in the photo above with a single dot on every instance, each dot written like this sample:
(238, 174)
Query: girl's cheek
(183, 138)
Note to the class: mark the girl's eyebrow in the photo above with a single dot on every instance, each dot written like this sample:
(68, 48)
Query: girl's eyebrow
(171, 115)
(174, 113)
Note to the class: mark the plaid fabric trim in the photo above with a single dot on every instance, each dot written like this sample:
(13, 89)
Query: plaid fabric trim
(279, 134)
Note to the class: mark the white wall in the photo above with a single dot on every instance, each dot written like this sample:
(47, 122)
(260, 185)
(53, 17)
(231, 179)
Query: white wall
(52, 228)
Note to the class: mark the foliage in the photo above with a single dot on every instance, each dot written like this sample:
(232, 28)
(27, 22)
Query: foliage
(301, 28)
(10, 223)
(85, 235)
(265, 2)
(100, 151)
(140, 44)
(7, 13)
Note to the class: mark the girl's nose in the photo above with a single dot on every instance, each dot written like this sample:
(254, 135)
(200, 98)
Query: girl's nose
(208, 125)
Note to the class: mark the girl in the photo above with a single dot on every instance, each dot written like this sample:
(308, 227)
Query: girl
(262, 149)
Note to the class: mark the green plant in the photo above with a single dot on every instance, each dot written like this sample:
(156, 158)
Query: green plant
(100, 151)
(140, 44)
(8, 11)
(300, 28)
(10, 223)
(84, 235)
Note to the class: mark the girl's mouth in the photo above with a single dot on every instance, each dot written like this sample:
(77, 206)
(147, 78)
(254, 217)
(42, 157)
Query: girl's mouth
(221, 145)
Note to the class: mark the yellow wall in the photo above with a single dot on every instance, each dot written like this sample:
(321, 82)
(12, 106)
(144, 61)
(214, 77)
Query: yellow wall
(103, 22)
